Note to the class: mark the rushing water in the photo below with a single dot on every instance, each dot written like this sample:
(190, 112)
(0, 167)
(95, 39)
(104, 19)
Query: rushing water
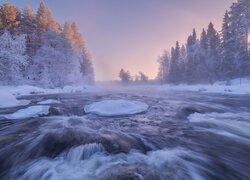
(181, 136)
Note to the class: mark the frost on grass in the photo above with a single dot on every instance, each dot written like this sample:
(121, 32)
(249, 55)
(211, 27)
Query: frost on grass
(116, 107)
(32, 111)
(8, 100)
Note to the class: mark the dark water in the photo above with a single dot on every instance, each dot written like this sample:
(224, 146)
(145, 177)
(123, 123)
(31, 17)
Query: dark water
(181, 136)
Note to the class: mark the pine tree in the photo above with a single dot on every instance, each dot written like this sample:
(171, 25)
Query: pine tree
(124, 76)
(29, 26)
(42, 18)
(227, 64)
(202, 67)
(164, 67)
(45, 19)
(192, 44)
(213, 41)
(239, 30)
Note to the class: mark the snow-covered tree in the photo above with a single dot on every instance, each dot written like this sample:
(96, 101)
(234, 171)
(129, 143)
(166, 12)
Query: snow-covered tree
(45, 19)
(36, 50)
(12, 59)
(213, 41)
(29, 26)
(175, 74)
(192, 46)
(10, 17)
(227, 64)
(164, 66)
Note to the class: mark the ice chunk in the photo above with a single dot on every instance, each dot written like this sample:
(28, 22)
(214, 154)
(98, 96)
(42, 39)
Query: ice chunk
(116, 107)
(8, 100)
(50, 101)
(32, 111)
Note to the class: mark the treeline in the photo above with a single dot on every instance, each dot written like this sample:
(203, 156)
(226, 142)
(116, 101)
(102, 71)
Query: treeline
(126, 77)
(37, 50)
(214, 55)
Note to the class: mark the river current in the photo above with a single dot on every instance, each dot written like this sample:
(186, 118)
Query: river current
(182, 136)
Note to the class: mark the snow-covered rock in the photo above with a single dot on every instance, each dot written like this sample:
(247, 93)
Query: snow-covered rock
(32, 111)
(50, 101)
(116, 107)
(8, 100)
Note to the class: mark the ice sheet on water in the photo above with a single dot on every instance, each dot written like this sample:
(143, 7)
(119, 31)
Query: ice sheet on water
(8, 100)
(116, 107)
(50, 101)
(32, 111)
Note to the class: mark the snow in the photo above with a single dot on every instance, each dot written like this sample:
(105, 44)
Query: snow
(50, 101)
(32, 111)
(80, 89)
(236, 86)
(8, 100)
(116, 107)
(31, 90)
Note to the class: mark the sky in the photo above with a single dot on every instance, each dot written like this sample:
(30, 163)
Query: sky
(131, 34)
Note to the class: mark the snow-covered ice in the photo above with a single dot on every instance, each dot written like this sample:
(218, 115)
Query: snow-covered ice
(8, 100)
(32, 111)
(116, 107)
(50, 101)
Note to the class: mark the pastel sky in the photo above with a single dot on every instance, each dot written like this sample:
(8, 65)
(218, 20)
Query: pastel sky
(131, 34)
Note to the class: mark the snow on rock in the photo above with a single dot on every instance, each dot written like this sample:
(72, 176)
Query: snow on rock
(116, 107)
(32, 111)
(8, 100)
(50, 101)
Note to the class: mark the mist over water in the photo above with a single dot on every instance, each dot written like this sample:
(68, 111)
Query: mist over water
(181, 136)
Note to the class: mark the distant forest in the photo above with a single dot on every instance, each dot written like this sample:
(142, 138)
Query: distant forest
(222, 55)
(37, 50)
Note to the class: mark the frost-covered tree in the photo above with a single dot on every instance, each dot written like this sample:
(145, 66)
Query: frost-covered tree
(239, 27)
(227, 63)
(175, 74)
(192, 46)
(56, 64)
(213, 41)
(51, 56)
(29, 26)
(215, 56)
(12, 59)
(10, 17)
(45, 19)
(164, 66)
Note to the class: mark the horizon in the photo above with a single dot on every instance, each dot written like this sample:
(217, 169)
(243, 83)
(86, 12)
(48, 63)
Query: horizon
(120, 35)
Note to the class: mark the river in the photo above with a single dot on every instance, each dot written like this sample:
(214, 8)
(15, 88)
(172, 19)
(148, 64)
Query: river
(183, 135)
